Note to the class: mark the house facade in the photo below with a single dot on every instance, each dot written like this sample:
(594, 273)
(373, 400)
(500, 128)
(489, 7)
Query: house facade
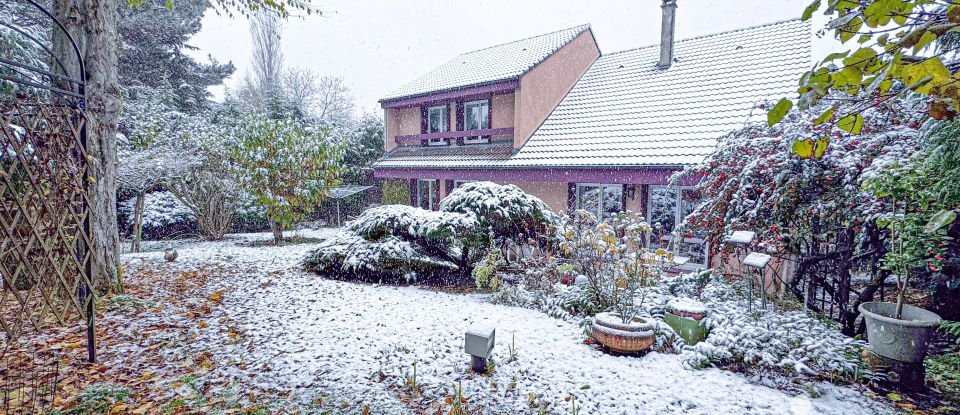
(584, 130)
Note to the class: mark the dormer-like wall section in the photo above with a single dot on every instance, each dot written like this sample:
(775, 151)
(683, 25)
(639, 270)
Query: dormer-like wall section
(502, 111)
(543, 87)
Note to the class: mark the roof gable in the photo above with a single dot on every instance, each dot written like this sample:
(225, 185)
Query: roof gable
(492, 64)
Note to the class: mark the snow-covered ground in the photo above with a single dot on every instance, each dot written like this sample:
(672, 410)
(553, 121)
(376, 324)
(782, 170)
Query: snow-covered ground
(358, 343)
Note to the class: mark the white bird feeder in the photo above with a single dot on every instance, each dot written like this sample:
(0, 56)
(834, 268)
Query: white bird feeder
(758, 261)
(741, 237)
(478, 343)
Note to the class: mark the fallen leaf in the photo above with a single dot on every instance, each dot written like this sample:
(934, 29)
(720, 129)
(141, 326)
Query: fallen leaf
(217, 297)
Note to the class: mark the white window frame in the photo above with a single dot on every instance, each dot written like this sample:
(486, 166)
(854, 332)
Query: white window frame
(599, 212)
(668, 239)
(446, 124)
(431, 192)
(485, 120)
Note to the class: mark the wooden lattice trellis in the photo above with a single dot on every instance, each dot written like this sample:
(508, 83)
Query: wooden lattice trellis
(44, 260)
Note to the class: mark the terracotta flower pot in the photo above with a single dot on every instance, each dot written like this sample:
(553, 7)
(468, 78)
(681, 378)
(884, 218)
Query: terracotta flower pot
(609, 330)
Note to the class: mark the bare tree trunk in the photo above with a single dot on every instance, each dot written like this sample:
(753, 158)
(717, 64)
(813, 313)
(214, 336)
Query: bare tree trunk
(137, 223)
(93, 24)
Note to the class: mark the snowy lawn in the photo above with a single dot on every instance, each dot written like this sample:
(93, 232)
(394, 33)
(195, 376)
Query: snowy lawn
(291, 334)
(232, 327)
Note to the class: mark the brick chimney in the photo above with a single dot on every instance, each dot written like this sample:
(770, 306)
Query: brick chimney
(666, 33)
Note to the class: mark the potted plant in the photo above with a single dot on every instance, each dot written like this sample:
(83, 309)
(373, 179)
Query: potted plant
(631, 336)
(896, 330)
(686, 316)
(610, 256)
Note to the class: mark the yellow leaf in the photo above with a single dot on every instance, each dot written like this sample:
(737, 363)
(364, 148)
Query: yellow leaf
(202, 324)
(922, 77)
(896, 397)
(925, 40)
(803, 148)
(217, 296)
(73, 345)
(821, 148)
(852, 124)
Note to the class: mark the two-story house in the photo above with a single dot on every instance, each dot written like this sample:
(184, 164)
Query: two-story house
(585, 130)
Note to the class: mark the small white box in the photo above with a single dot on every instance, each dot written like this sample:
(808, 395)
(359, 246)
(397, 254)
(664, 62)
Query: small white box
(479, 341)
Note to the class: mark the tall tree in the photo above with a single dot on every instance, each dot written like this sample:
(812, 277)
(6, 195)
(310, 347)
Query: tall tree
(154, 50)
(334, 101)
(267, 62)
(93, 24)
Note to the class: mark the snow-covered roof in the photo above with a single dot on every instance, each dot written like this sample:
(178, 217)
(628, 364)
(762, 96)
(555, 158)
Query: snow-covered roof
(447, 157)
(626, 111)
(496, 63)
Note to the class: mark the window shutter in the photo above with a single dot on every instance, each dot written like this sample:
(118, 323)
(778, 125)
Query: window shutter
(436, 195)
(623, 198)
(447, 187)
(490, 112)
(423, 119)
(644, 190)
(413, 192)
(459, 115)
(571, 196)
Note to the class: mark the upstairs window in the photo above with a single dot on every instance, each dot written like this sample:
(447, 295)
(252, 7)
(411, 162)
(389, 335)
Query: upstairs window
(476, 116)
(438, 121)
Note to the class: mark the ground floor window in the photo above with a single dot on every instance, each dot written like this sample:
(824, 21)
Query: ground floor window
(427, 192)
(666, 209)
(603, 200)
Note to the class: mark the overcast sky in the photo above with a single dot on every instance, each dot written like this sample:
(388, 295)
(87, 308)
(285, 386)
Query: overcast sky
(378, 45)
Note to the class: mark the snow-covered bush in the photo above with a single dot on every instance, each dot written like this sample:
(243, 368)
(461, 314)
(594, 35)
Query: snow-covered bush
(349, 256)
(508, 212)
(163, 215)
(287, 165)
(408, 222)
(754, 180)
(799, 184)
(790, 343)
(209, 190)
(394, 243)
(447, 242)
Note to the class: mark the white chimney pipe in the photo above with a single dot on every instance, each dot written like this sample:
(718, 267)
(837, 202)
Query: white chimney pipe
(666, 33)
